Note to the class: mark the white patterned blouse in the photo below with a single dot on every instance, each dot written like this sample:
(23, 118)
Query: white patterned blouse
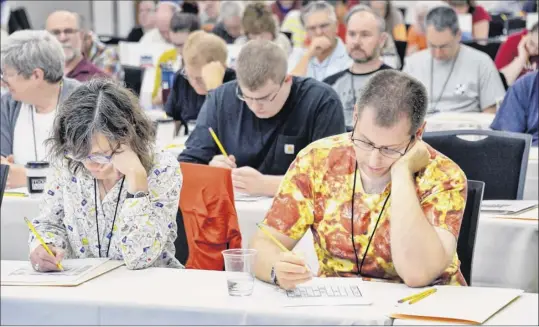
(144, 230)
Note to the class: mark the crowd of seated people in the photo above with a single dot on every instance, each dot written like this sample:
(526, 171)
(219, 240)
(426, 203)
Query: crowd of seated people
(312, 111)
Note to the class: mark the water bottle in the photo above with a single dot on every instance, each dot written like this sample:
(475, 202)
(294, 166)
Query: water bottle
(167, 80)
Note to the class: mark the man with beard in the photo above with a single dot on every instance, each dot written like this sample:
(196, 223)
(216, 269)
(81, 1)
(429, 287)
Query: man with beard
(65, 26)
(365, 38)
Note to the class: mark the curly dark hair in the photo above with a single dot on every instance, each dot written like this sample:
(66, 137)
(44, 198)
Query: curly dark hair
(101, 106)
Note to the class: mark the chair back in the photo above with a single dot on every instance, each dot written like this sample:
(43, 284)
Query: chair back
(133, 78)
(468, 228)
(207, 219)
(4, 170)
(500, 159)
(491, 48)
(401, 50)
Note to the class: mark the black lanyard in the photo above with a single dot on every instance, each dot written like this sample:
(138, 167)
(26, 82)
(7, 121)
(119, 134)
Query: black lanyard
(33, 124)
(360, 266)
(434, 110)
(113, 220)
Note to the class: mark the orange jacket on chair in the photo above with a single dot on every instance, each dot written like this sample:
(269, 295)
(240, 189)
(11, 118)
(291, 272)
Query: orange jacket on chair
(209, 215)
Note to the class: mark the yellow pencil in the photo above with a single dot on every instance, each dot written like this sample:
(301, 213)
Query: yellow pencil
(271, 237)
(22, 195)
(419, 298)
(413, 296)
(36, 234)
(216, 139)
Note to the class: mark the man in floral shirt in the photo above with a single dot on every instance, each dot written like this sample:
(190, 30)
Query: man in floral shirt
(380, 202)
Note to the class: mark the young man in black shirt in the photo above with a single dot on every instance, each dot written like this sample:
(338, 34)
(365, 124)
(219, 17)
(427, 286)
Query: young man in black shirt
(204, 59)
(263, 119)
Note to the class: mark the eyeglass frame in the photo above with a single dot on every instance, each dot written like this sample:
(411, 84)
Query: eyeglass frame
(261, 99)
(379, 148)
(92, 158)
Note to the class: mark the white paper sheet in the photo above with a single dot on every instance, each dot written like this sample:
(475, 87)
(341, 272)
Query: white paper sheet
(325, 292)
(76, 271)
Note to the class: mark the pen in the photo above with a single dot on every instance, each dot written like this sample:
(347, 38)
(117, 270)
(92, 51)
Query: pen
(412, 297)
(216, 139)
(36, 234)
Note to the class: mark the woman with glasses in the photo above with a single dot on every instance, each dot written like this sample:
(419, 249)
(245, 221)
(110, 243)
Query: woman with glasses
(109, 195)
(380, 202)
(33, 74)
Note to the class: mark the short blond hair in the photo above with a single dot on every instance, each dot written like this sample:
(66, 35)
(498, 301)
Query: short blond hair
(202, 48)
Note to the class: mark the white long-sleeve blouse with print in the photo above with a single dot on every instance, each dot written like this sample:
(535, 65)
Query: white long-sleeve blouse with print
(145, 228)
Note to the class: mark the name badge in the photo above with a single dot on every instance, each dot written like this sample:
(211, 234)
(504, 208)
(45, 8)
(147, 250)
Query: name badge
(289, 148)
(460, 89)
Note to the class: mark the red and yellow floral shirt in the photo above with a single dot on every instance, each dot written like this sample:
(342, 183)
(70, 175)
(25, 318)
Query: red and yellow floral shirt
(316, 193)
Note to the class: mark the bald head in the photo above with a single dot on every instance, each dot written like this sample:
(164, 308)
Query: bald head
(365, 36)
(163, 15)
(65, 26)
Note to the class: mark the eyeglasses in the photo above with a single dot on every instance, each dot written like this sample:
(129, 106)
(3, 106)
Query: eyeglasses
(385, 151)
(265, 99)
(67, 31)
(3, 77)
(96, 158)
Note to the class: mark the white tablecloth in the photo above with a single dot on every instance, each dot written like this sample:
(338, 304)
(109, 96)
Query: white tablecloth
(506, 251)
(164, 296)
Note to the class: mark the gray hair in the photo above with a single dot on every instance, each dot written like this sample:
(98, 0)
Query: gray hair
(101, 106)
(260, 61)
(184, 22)
(28, 50)
(408, 98)
(363, 8)
(230, 9)
(315, 6)
(441, 18)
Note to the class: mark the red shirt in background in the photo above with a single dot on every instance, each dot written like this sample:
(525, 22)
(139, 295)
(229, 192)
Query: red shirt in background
(480, 14)
(509, 51)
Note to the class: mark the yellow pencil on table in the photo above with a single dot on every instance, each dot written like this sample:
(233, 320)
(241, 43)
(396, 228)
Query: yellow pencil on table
(416, 297)
(40, 239)
(419, 298)
(216, 139)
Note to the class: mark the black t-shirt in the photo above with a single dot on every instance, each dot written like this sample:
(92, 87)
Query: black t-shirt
(220, 31)
(311, 112)
(183, 103)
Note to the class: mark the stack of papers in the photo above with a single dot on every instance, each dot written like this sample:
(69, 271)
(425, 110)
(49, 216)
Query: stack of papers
(455, 304)
(76, 272)
(504, 207)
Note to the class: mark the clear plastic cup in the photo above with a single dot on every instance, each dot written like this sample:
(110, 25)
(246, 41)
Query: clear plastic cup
(239, 267)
